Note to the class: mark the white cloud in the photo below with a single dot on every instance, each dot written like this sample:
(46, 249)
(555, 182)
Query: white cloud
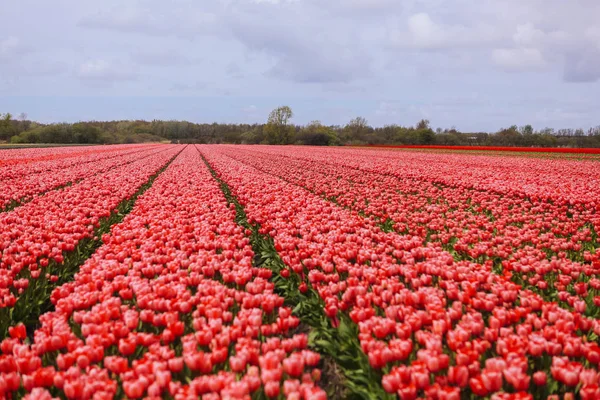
(535, 49)
(160, 57)
(425, 32)
(10, 47)
(160, 20)
(387, 108)
(339, 54)
(518, 59)
(582, 67)
(273, 2)
(528, 35)
(593, 34)
(420, 31)
(294, 48)
(189, 87)
(102, 70)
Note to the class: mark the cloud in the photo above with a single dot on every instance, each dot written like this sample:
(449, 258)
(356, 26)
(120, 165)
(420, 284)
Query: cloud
(401, 113)
(582, 67)
(49, 69)
(355, 89)
(160, 57)
(11, 47)
(14, 57)
(253, 113)
(425, 33)
(364, 8)
(570, 117)
(191, 87)
(341, 54)
(296, 55)
(315, 67)
(281, 30)
(593, 35)
(387, 108)
(583, 64)
(102, 70)
(158, 20)
(125, 19)
(8, 46)
(422, 32)
(532, 48)
(250, 109)
(273, 2)
(528, 35)
(235, 71)
(518, 59)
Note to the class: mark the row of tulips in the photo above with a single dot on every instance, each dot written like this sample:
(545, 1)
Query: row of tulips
(436, 327)
(43, 242)
(547, 247)
(11, 157)
(505, 150)
(349, 374)
(33, 179)
(170, 305)
(559, 180)
(26, 161)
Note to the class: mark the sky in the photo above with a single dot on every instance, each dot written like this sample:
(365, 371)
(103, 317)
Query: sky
(472, 65)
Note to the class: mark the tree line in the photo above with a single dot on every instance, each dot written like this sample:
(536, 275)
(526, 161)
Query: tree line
(279, 129)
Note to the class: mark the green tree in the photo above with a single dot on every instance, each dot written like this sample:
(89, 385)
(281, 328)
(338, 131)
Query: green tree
(389, 132)
(422, 124)
(356, 130)
(85, 133)
(6, 127)
(317, 134)
(278, 130)
(508, 137)
(424, 134)
(527, 130)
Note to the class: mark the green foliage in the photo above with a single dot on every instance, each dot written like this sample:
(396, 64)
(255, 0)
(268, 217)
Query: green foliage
(252, 136)
(317, 134)
(6, 128)
(426, 136)
(527, 130)
(85, 133)
(356, 130)
(422, 125)
(277, 130)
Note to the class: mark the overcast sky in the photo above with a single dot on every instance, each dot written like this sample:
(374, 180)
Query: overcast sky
(475, 65)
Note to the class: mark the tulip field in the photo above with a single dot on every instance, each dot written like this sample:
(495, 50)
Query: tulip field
(283, 272)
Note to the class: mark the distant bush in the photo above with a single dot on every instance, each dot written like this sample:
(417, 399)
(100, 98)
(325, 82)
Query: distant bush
(279, 130)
